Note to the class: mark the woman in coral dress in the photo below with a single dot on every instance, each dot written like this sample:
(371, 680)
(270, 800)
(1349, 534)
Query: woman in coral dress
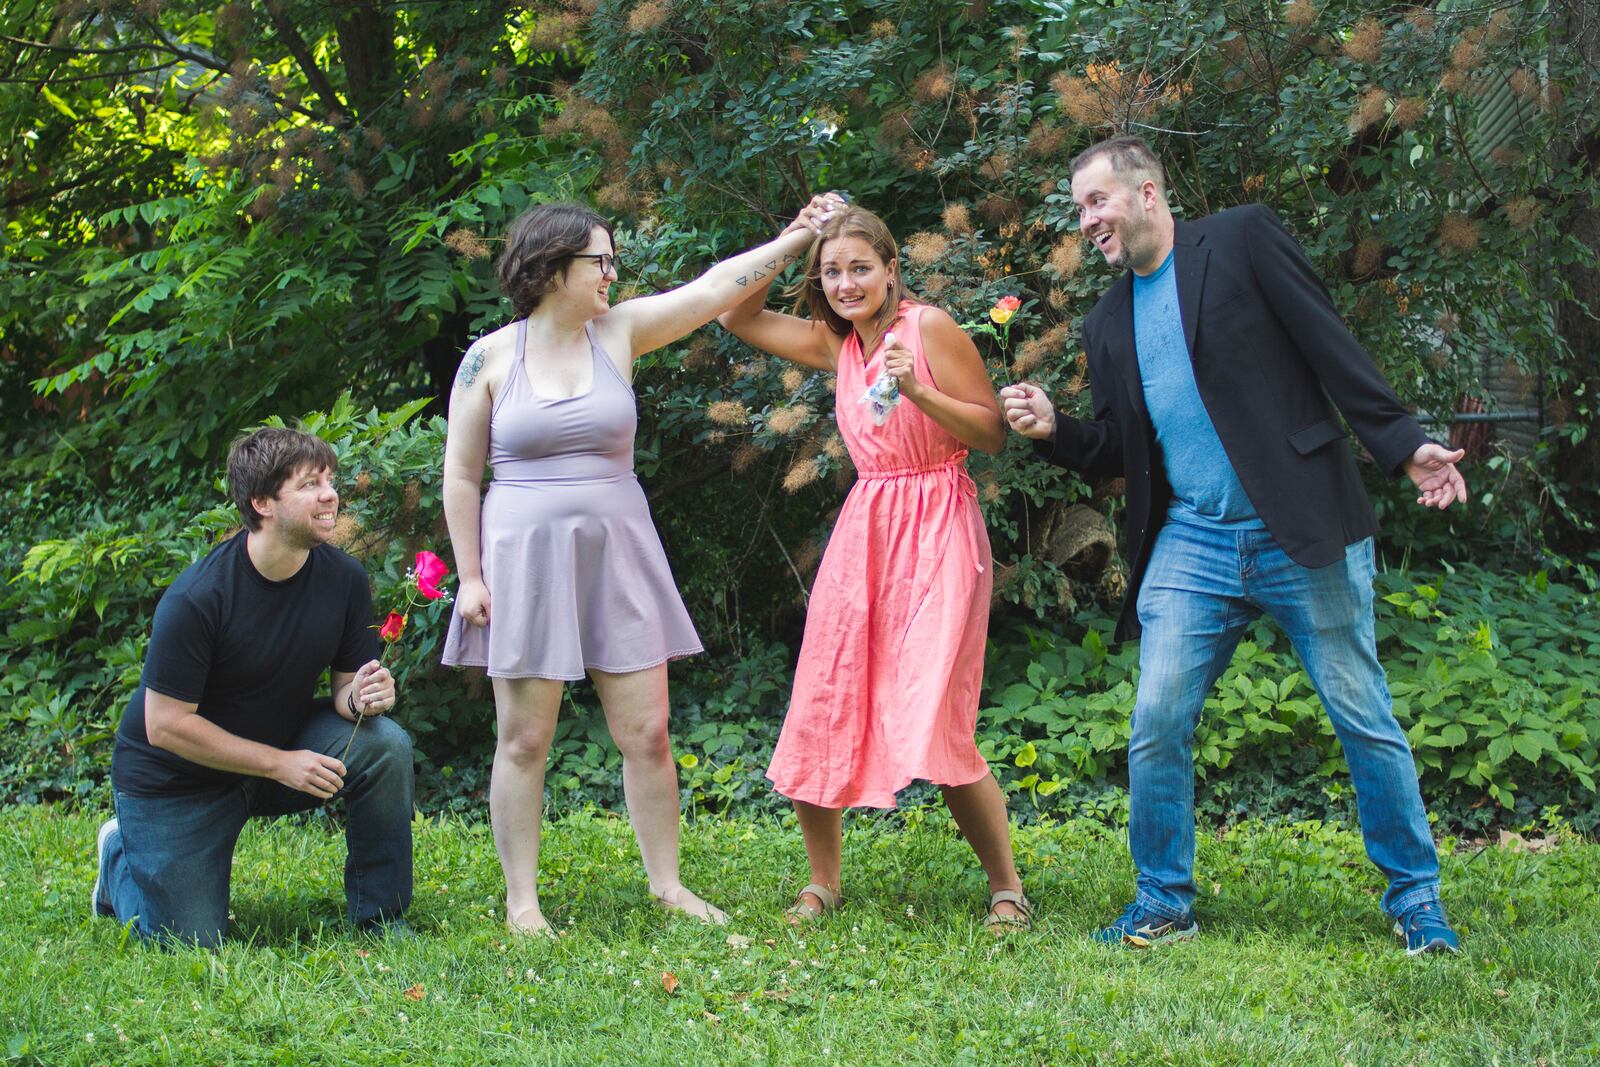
(886, 689)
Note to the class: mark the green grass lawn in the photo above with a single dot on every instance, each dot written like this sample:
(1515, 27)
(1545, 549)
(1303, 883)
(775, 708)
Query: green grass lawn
(1294, 963)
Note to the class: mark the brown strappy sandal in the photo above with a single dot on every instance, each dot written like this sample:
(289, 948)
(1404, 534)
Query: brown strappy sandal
(999, 925)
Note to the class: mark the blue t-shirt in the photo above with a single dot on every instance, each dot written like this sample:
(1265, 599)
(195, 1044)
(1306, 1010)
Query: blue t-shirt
(1205, 488)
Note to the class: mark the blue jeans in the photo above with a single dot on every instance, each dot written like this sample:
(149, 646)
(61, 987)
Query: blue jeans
(1202, 589)
(167, 867)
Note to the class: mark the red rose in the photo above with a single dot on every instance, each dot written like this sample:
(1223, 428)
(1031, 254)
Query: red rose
(392, 627)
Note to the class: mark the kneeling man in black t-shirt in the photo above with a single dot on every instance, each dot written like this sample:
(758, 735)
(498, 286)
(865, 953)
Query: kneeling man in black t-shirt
(226, 723)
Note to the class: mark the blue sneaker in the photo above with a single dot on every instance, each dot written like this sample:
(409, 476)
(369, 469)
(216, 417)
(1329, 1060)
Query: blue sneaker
(1139, 927)
(1424, 928)
(98, 905)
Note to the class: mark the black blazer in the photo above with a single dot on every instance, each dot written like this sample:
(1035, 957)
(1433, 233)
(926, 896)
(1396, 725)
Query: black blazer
(1271, 359)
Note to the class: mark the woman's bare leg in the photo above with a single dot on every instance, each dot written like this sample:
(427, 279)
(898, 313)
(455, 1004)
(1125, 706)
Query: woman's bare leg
(980, 811)
(525, 712)
(823, 830)
(636, 713)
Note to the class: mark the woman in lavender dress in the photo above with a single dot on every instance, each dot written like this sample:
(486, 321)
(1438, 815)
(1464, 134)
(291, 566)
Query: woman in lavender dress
(561, 571)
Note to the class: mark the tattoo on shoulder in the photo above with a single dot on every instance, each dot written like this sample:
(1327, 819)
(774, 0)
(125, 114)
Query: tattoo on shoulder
(471, 364)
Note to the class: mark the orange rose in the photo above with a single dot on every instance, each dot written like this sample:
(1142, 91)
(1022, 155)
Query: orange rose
(1003, 309)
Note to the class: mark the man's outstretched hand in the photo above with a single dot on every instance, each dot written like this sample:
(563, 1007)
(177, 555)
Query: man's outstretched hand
(1433, 469)
(1029, 411)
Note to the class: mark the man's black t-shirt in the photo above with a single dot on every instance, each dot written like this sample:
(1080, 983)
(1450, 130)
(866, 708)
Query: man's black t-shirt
(248, 651)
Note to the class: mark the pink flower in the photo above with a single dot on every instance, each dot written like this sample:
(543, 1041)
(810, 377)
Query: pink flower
(430, 572)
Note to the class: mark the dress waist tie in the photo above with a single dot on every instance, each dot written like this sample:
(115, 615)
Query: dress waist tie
(952, 471)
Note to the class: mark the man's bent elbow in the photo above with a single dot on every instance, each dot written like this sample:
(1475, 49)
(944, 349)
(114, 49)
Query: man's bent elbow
(158, 732)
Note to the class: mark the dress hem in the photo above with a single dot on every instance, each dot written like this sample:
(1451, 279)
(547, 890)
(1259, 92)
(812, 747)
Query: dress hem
(864, 800)
(674, 655)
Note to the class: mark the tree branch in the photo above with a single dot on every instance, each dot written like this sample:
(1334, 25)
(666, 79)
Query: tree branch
(39, 194)
(47, 46)
(302, 55)
(53, 79)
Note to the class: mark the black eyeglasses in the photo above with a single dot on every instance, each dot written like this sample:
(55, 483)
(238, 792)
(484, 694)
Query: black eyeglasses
(609, 263)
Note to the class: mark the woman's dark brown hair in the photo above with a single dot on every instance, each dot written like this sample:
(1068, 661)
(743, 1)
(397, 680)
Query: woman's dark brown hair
(858, 222)
(539, 245)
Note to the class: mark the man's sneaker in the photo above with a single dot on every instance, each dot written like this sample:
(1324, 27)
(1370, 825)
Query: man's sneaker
(1424, 928)
(1139, 927)
(98, 905)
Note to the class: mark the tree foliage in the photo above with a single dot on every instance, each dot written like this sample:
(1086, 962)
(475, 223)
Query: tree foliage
(218, 213)
(1424, 157)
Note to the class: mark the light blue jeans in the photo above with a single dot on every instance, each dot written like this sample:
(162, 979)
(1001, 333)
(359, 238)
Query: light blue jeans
(168, 866)
(1202, 589)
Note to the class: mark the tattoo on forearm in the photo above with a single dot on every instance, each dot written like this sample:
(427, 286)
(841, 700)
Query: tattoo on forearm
(471, 364)
(773, 265)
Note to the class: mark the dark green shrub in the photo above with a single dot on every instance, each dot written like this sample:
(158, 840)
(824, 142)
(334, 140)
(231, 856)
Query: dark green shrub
(1496, 679)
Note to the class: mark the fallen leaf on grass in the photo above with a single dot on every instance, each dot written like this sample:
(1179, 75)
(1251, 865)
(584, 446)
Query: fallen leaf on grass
(1517, 843)
(669, 982)
(363, 953)
(416, 992)
(1501, 993)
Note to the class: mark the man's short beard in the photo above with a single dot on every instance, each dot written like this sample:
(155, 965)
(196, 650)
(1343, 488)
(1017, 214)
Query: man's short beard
(1134, 242)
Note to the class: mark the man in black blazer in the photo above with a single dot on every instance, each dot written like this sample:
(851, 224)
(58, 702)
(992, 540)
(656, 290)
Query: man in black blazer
(1215, 366)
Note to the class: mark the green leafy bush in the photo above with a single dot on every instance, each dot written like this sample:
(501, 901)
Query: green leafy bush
(1496, 680)
(305, 226)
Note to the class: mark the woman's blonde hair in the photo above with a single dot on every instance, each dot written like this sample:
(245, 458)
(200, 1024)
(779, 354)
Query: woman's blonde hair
(857, 222)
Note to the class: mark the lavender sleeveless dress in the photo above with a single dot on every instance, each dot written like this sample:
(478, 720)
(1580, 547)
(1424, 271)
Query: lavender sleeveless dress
(576, 574)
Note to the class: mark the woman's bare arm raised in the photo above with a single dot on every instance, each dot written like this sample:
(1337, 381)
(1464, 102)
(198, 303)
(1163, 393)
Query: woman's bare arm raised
(646, 323)
(803, 341)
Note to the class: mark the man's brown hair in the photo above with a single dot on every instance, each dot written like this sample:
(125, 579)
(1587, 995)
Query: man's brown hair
(1132, 160)
(259, 463)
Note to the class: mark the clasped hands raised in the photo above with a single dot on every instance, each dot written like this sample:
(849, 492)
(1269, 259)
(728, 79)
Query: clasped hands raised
(816, 212)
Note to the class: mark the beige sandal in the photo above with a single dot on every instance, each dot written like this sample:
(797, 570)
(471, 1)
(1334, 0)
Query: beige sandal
(999, 924)
(801, 913)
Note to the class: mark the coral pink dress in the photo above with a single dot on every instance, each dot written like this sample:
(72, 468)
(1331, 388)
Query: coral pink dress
(886, 690)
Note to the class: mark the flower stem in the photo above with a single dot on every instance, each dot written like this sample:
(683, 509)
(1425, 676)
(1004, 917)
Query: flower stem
(360, 715)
